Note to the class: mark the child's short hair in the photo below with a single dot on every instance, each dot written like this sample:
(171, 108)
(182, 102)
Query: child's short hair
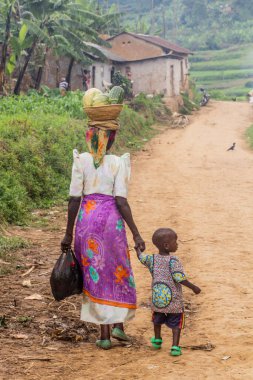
(160, 235)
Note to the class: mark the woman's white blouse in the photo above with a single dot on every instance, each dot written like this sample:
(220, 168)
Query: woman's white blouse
(110, 178)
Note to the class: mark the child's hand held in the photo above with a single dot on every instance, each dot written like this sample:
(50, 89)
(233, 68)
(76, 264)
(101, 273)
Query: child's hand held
(196, 289)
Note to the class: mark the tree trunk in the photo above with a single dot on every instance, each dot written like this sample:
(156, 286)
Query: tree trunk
(39, 77)
(57, 79)
(4, 49)
(23, 70)
(68, 76)
(41, 70)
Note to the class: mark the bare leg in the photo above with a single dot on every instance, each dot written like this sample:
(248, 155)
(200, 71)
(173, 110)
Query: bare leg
(176, 336)
(157, 330)
(119, 326)
(105, 332)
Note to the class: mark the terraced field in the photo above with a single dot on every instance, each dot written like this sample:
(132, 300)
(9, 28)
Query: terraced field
(226, 74)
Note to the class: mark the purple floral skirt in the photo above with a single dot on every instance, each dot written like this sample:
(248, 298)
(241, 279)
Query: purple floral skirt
(102, 251)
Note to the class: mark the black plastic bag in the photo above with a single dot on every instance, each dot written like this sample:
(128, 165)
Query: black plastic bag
(66, 278)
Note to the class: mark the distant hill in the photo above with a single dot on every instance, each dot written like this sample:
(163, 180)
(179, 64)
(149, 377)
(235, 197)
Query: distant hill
(196, 24)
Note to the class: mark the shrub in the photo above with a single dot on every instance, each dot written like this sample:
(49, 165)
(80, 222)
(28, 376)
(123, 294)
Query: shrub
(152, 108)
(119, 79)
(188, 104)
(35, 161)
(49, 102)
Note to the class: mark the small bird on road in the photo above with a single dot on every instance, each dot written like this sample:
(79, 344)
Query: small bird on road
(232, 147)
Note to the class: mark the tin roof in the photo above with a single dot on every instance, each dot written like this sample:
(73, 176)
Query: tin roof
(155, 40)
(107, 52)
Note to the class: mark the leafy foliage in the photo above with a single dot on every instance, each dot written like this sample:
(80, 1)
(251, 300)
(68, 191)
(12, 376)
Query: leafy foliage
(152, 108)
(119, 79)
(66, 27)
(46, 102)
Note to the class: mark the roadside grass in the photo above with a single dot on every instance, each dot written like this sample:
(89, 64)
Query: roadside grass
(46, 102)
(8, 247)
(249, 136)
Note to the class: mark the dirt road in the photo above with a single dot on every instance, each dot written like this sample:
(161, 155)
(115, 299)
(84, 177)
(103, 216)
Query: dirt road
(188, 181)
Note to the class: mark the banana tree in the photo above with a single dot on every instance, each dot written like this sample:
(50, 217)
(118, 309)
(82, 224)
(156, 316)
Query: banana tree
(18, 45)
(7, 8)
(47, 18)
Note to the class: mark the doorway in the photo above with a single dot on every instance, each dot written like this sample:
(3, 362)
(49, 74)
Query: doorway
(172, 81)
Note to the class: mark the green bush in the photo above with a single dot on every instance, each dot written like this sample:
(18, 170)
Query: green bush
(152, 108)
(49, 102)
(35, 161)
(190, 103)
(119, 79)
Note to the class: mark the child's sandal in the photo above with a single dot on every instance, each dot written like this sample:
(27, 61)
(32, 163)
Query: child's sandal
(156, 343)
(175, 351)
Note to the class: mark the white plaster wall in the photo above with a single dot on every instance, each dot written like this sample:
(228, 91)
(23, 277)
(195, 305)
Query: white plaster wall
(149, 76)
(103, 72)
(177, 77)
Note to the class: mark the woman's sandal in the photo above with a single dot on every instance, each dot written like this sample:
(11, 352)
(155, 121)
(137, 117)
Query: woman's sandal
(120, 335)
(156, 343)
(175, 351)
(105, 344)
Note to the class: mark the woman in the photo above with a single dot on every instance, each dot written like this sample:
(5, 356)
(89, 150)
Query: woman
(101, 181)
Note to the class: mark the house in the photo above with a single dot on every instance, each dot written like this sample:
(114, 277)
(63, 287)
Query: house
(153, 64)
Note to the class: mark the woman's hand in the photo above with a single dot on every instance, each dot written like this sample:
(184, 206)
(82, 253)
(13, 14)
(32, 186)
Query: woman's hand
(66, 242)
(139, 243)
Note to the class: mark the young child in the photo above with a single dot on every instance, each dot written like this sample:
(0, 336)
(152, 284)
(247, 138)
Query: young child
(63, 86)
(168, 277)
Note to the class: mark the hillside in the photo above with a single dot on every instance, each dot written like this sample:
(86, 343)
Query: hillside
(196, 24)
(226, 73)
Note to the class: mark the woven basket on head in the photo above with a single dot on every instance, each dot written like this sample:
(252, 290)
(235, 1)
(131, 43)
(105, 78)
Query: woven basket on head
(102, 113)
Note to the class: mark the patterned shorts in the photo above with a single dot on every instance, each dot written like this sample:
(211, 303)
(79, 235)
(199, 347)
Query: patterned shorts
(175, 320)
